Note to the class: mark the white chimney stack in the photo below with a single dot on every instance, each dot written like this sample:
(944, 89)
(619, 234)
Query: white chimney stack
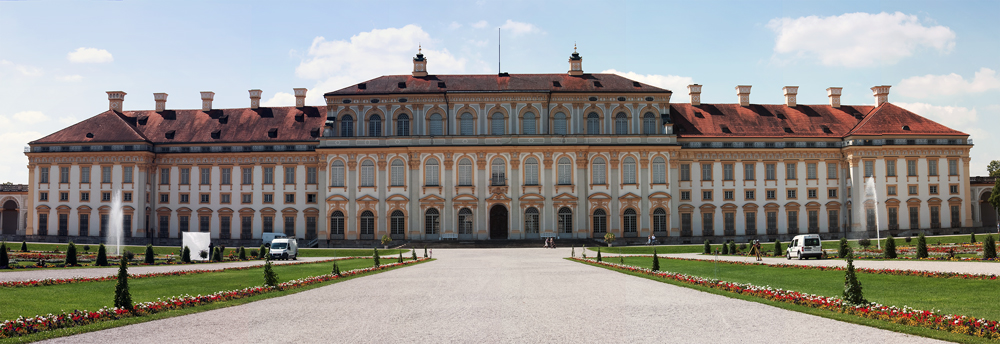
(743, 91)
(161, 101)
(695, 91)
(206, 100)
(881, 94)
(790, 93)
(255, 99)
(834, 94)
(115, 100)
(300, 97)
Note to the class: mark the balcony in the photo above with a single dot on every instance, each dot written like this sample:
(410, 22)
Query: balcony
(13, 188)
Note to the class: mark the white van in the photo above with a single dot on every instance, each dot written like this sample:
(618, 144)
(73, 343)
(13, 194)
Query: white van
(268, 237)
(805, 246)
(284, 248)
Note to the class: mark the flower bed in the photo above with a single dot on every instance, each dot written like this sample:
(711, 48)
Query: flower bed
(23, 326)
(906, 316)
(896, 272)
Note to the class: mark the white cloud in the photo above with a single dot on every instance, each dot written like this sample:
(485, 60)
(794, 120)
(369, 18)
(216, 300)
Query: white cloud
(71, 78)
(519, 28)
(480, 44)
(30, 117)
(90, 55)
(858, 39)
(943, 85)
(13, 161)
(23, 69)
(671, 82)
(967, 121)
(480, 24)
(454, 25)
(280, 99)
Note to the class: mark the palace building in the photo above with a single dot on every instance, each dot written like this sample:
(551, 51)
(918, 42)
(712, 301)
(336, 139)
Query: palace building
(508, 156)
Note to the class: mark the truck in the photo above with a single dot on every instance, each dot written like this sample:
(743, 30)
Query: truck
(268, 237)
(284, 248)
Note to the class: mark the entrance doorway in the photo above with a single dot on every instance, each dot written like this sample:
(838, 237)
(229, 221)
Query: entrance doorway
(9, 218)
(498, 222)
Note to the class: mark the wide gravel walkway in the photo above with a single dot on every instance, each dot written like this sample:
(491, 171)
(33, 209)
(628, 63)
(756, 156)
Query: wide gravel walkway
(497, 295)
(30, 274)
(925, 265)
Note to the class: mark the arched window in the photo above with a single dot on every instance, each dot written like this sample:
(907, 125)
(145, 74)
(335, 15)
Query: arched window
(465, 221)
(403, 125)
(375, 125)
(468, 124)
(531, 220)
(496, 124)
(659, 220)
(465, 172)
(600, 221)
(659, 171)
(628, 170)
(435, 127)
(498, 172)
(628, 221)
(565, 173)
(529, 124)
(531, 171)
(397, 223)
(398, 173)
(559, 124)
(565, 220)
(337, 173)
(347, 126)
(621, 124)
(649, 124)
(367, 223)
(593, 124)
(431, 223)
(367, 173)
(599, 171)
(431, 172)
(337, 223)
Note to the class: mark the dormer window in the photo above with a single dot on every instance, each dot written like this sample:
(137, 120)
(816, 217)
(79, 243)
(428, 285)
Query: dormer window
(906, 127)
(827, 130)
(272, 133)
(441, 84)
(725, 129)
(216, 134)
(401, 85)
(362, 86)
(556, 84)
(636, 84)
(788, 130)
(90, 135)
(169, 135)
(598, 84)
(314, 132)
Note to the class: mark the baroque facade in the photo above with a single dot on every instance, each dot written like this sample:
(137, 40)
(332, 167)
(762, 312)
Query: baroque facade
(508, 156)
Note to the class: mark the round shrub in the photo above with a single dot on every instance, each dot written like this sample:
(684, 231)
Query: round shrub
(890, 248)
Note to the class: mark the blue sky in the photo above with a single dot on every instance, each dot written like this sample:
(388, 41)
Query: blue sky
(57, 59)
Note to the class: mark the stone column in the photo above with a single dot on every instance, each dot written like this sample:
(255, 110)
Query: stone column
(323, 178)
(968, 196)
(482, 192)
(351, 226)
(449, 217)
(548, 211)
(514, 185)
(383, 185)
(416, 216)
(856, 169)
(645, 228)
(673, 214)
(614, 213)
(29, 228)
(581, 228)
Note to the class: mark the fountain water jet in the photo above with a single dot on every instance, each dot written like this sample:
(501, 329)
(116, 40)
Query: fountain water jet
(871, 194)
(114, 234)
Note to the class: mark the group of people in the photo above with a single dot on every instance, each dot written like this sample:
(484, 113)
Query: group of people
(550, 243)
(651, 239)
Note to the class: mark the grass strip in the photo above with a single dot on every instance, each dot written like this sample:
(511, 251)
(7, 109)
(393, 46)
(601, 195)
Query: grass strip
(767, 246)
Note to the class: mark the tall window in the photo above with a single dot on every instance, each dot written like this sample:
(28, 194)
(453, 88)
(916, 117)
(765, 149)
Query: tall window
(498, 172)
(367, 173)
(598, 171)
(593, 124)
(769, 172)
(367, 223)
(127, 225)
(267, 224)
(749, 171)
(43, 224)
(559, 124)
(564, 171)
(206, 175)
(685, 224)
(932, 167)
(468, 124)
(628, 221)
(246, 227)
(952, 168)
(813, 221)
(269, 175)
(628, 170)
(811, 170)
(225, 227)
(793, 221)
(44, 176)
(565, 220)
(600, 221)
(337, 223)
(289, 175)
(727, 172)
(465, 221)
(772, 222)
(227, 176)
(435, 127)
(337, 173)
(185, 176)
(890, 168)
(955, 214)
(105, 174)
(621, 124)
(403, 125)
(85, 225)
(659, 220)
(790, 170)
(914, 217)
(531, 171)
(911, 168)
(85, 174)
(126, 174)
(707, 224)
(204, 223)
(431, 223)
(164, 175)
(310, 175)
(247, 175)
(729, 223)
(465, 172)
(649, 123)
(706, 171)
(685, 172)
(375, 125)
(496, 124)
(398, 173)
(184, 223)
(935, 215)
(290, 226)
(869, 168)
(833, 217)
(347, 126)
(831, 170)
(431, 172)
(529, 124)
(659, 171)
(531, 220)
(751, 223)
(397, 223)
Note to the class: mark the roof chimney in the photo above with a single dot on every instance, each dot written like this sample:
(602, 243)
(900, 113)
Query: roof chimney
(834, 94)
(115, 100)
(743, 91)
(695, 91)
(255, 99)
(575, 63)
(881, 94)
(419, 63)
(300, 97)
(161, 101)
(790, 93)
(206, 100)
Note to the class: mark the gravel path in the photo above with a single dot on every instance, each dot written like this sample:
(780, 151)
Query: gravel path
(926, 265)
(24, 275)
(497, 295)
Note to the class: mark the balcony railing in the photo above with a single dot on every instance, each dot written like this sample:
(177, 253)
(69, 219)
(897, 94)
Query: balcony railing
(498, 179)
(13, 188)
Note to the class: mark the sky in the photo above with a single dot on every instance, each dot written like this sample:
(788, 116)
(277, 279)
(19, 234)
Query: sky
(58, 58)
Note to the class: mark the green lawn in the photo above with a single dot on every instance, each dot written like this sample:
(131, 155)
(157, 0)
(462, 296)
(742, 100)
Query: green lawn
(31, 301)
(346, 252)
(649, 249)
(966, 297)
(901, 241)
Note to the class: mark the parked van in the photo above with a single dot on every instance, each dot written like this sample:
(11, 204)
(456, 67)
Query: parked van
(284, 248)
(805, 246)
(268, 237)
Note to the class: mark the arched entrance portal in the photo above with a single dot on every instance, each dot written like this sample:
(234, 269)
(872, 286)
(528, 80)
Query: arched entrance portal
(498, 222)
(9, 218)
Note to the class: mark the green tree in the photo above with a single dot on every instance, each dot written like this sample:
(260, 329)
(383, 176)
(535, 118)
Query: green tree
(989, 248)
(375, 257)
(708, 247)
(972, 238)
(414, 254)
(425, 251)
(216, 255)
(656, 261)
(993, 168)
(186, 255)
(263, 251)
(778, 252)
(732, 247)
(890, 248)
(725, 249)
(270, 278)
(599, 254)
(842, 249)
(123, 298)
(150, 255)
(921, 246)
(24, 246)
(4, 260)
(400, 256)
(336, 269)
(102, 256)
(71, 254)
(853, 294)
(243, 253)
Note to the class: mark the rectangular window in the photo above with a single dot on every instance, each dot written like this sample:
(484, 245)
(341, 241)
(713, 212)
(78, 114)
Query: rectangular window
(85, 174)
(185, 223)
(269, 198)
(105, 197)
(831, 193)
(790, 170)
(793, 220)
(813, 220)
(225, 231)
(914, 217)
(565, 178)
(289, 198)
(952, 167)
(43, 196)
(430, 176)
(186, 176)
(685, 172)
(206, 175)
(893, 218)
(933, 189)
(772, 222)
(749, 171)
(751, 223)
(685, 195)
(771, 194)
(290, 226)
(246, 198)
(165, 176)
(728, 195)
(869, 168)
(911, 168)
(749, 195)
(44, 175)
(932, 167)
(225, 198)
(953, 189)
(204, 198)
(812, 193)
(706, 171)
(628, 173)
(185, 198)
(106, 174)
(64, 175)
(791, 193)
(659, 172)
(246, 227)
(729, 223)
(530, 174)
(686, 223)
(955, 216)
(890, 167)
(164, 198)
(247, 175)
(289, 175)
(127, 224)
(267, 223)
(127, 196)
(912, 190)
(831, 170)
(43, 224)
(64, 196)
(310, 175)
(84, 196)
(890, 190)
(811, 170)
(935, 216)
(706, 195)
(63, 224)
(204, 223)
(269, 175)
(598, 174)
(833, 219)
(227, 176)
(310, 198)
(707, 227)
(769, 172)
(727, 172)
(127, 174)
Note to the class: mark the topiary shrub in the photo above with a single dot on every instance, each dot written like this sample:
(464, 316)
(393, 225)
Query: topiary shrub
(71, 254)
(217, 255)
(243, 253)
(852, 287)
(425, 251)
(400, 256)
(128, 255)
(270, 278)
(842, 248)
(4, 260)
(186, 255)
(972, 238)
(778, 252)
(732, 247)
(890, 248)
(725, 249)
(908, 239)
(86, 248)
(656, 261)
(24, 246)
(123, 298)
(375, 257)
(336, 269)
(150, 256)
(865, 242)
(708, 247)
(921, 246)
(989, 248)
(102, 256)
(203, 254)
(599, 254)
(414, 254)
(263, 251)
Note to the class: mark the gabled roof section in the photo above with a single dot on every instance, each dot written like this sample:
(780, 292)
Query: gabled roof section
(889, 119)
(290, 124)
(393, 84)
(765, 121)
(108, 126)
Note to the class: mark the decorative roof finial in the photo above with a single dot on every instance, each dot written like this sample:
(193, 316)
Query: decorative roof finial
(420, 49)
(574, 47)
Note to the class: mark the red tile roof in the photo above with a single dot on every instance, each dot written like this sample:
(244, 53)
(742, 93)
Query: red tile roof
(108, 126)
(765, 121)
(889, 119)
(389, 84)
